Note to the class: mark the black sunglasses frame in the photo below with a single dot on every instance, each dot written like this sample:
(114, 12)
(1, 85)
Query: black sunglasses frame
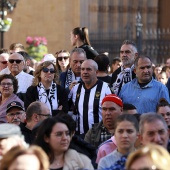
(46, 70)
(61, 58)
(17, 61)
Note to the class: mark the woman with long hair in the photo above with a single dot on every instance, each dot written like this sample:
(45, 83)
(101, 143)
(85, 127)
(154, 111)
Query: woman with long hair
(80, 39)
(54, 136)
(62, 60)
(45, 88)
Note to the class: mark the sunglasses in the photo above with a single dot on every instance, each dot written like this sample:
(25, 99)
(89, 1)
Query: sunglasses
(3, 62)
(46, 70)
(61, 58)
(17, 61)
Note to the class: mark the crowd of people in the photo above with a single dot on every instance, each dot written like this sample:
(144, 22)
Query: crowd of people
(78, 110)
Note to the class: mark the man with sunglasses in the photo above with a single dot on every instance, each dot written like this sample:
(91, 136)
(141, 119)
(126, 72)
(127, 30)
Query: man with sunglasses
(16, 65)
(3, 60)
(35, 114)
(15, 113)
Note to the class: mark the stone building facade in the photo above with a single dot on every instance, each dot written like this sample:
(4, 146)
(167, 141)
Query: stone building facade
(109, 23)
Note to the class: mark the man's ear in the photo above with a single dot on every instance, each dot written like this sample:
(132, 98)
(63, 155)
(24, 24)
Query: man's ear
(136, 55)
(35, 117)
(134, 70)
(7, 118)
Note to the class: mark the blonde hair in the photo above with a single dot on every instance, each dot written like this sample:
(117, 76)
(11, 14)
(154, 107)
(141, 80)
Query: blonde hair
(159, 156)
(38, 70)
(17, 151)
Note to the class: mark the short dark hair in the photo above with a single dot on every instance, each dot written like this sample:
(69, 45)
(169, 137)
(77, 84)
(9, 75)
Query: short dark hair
(102, 61)
(34, 107)
(142, 57)
(128, 106)
(162, 102)
(14, 81)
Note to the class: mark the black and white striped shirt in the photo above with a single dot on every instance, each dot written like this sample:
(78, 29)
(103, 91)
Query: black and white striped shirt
(88, 104)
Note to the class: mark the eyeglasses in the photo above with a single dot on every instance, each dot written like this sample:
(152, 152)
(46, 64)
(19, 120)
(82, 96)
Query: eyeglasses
(17, 61)
(14, 114)
(6, 84)
(61, 58)
(46, 115)
(46, 70)
(3, 62)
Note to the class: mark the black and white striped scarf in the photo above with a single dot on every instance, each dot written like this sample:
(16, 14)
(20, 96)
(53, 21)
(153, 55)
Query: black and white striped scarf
(69, 78)
(123, 77)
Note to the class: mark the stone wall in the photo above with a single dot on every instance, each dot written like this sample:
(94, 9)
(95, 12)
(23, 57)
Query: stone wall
(53, 19)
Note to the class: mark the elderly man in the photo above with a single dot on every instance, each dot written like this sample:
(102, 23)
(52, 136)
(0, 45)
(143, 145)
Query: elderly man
(143, 92)
(36, 112)
(125, 73)
(87, 97)
(14, 47)
(10, 136)
(15, 113)
(153, 129)
(72, 76)
(16, 65)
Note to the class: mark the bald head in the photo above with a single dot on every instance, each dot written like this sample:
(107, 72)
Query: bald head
(89, 70)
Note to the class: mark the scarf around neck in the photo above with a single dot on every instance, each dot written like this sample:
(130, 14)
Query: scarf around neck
(69, 78)
(123, 77)
(49, 99)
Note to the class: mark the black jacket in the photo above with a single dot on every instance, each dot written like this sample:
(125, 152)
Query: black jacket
(90, 52)
(62, 97)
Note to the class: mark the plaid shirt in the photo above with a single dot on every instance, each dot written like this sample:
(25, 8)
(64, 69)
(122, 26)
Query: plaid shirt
(105, 134)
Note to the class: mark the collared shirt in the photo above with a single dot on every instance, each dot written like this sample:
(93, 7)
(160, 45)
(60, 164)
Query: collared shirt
(144, 98)
(105, 134)
(24, 81)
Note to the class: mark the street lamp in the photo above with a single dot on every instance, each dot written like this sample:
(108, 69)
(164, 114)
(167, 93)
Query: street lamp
(5, 6)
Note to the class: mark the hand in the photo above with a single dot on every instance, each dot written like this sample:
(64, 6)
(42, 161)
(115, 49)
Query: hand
(73, 84)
